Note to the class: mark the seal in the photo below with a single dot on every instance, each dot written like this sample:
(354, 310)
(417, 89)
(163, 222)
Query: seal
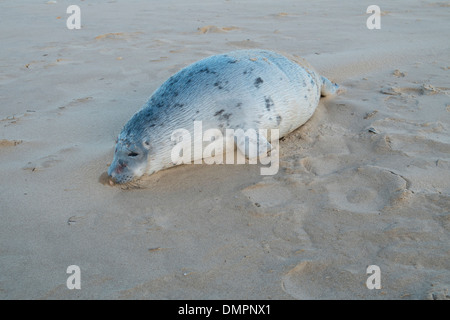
(242, 89)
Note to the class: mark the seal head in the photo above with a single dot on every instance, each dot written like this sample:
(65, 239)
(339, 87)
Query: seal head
(130, 159)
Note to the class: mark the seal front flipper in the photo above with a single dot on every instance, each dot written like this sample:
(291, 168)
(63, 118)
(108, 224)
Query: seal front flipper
(252, 144)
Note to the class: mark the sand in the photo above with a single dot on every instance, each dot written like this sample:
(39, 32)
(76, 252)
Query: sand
(365, 182)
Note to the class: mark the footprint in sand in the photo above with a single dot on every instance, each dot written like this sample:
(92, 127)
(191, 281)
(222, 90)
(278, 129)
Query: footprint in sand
(215, 29)
(244, 44)
(397, 73)
(42, 163)
(118, 35)
(14, 119)
(9, 143)
(425, 89)
(364, 190)
(48, 161)
(268, 194)
(320, 280)
(439, 291)
(415, 138)
(75, 102)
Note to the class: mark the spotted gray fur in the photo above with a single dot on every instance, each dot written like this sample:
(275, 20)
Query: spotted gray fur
(246, 89)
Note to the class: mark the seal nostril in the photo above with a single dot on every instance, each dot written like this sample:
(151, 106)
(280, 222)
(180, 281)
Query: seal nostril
(120, 167)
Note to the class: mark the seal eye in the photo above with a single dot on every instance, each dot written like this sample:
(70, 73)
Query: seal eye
(133, 154)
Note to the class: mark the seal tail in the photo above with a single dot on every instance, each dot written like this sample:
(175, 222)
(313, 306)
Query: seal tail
(328, 88)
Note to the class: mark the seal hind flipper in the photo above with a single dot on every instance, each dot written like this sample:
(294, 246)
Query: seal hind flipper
(328, 88)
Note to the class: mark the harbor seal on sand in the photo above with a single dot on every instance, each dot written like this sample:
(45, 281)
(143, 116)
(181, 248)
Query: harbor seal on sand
(243, 89)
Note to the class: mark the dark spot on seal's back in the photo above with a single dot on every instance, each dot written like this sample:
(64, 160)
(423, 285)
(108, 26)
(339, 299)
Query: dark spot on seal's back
(218, 113)
(258, 82)
(248, 71)
(206, 70)
(172, 81)
(239, 105)
(226, 116)
(223, 116)
(278, 120)
(178, 105)
(269, 102)
(218, 85)
(149, 115)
